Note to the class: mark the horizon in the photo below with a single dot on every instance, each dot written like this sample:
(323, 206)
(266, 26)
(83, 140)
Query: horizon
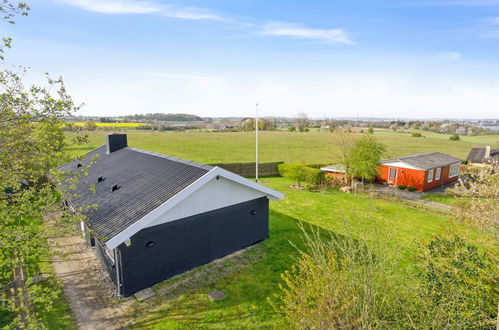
(416, 60)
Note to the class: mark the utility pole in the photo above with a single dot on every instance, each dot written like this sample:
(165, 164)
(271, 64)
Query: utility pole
(256, 149)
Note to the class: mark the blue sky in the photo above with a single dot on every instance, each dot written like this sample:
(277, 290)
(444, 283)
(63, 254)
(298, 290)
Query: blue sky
(405, 58)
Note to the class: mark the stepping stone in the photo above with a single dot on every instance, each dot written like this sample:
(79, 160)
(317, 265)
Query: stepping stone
(216, 295)
(144, 294)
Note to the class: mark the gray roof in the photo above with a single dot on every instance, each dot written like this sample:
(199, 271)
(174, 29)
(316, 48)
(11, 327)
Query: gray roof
(477, 154)
(426, 161)
(145, 179)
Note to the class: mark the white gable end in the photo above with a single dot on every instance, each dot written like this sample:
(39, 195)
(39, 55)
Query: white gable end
(215, 194)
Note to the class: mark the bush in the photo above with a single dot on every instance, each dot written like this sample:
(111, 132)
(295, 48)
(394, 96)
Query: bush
(411, 188)
(457, 284)
(454, 137)
(401, 187)
(416, 134)
(301, 173)
(292, 129)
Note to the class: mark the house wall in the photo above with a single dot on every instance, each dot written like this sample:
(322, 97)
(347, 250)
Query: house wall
(190, 242)
(106, 261)
(405, 176)
(444, 179)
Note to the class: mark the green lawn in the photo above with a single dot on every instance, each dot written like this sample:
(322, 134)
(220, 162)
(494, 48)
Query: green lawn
(444, 199)
(246, 305)
(310, 147)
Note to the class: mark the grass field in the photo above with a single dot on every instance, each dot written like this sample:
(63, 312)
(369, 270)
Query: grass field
(246, 305)
(310, 147)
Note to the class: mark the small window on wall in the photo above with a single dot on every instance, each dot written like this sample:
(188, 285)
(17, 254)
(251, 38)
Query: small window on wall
(430, 175)
(438, 171)
(454, 170)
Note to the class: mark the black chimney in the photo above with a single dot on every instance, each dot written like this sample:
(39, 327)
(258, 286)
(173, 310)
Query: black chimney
(115, 142)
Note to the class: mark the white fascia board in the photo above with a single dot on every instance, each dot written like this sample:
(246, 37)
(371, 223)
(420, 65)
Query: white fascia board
(145, 221)
(403, 165)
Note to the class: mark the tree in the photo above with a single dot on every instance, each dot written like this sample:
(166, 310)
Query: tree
(301, 122)
(90, 125)
(32, 143)
(370, 130)
(342, 143)
(454, 137)
(364, 158)
(359, 157)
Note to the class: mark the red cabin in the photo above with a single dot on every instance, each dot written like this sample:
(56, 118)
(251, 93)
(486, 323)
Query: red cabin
(423, 172)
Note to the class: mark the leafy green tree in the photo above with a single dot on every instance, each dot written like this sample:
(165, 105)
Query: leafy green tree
(454, 137)
(32, 143)
(370, 130)
(363, 158)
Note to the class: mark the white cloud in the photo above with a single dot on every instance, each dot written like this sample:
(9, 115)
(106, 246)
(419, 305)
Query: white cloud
(302, 32)
(141, 7)
(450, 56)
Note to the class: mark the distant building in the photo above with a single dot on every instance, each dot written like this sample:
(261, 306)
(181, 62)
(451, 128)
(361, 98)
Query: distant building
(480, 156)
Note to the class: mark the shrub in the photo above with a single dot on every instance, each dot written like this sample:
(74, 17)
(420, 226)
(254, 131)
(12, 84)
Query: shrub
(416, 134)
(454, 137)
(301, 173)
(291, 128)
(370, 130)
(411, 188)
(457, 284)
(401, 187)
(341, 283)
(90, 125)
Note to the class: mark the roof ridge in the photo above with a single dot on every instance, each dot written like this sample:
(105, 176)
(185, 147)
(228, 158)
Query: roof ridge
(423, 154)
(172, 158)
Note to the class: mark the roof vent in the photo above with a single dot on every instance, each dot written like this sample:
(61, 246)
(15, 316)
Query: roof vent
(100, 179)
(115, 187)
(115, 142)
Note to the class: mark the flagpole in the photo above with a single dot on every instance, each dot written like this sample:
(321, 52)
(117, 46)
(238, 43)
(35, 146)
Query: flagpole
(256, 149)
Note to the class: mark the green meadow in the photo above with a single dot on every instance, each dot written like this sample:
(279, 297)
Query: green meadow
(308, 147)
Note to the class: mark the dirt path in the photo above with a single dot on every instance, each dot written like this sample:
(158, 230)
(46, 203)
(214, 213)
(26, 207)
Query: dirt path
(93, 308)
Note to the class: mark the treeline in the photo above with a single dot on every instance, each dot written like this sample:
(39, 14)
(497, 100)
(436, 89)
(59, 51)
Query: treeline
(161, 117)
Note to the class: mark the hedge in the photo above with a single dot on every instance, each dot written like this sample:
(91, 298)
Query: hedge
(301, 173)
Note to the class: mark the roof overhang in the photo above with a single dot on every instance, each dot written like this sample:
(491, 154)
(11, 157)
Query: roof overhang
(182, 195)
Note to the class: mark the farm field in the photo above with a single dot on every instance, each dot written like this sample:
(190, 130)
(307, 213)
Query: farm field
(310, 147)
(248, 289)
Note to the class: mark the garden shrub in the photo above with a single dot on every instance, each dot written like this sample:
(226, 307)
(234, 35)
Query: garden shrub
(458, 284)
(401, 187)
(301, 173)
(415, 134)
(411, 188)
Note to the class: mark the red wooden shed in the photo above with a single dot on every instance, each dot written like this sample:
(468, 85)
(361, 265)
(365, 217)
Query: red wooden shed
(423, 171)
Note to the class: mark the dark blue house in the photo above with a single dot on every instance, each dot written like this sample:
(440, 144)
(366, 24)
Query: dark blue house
(157, 216)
